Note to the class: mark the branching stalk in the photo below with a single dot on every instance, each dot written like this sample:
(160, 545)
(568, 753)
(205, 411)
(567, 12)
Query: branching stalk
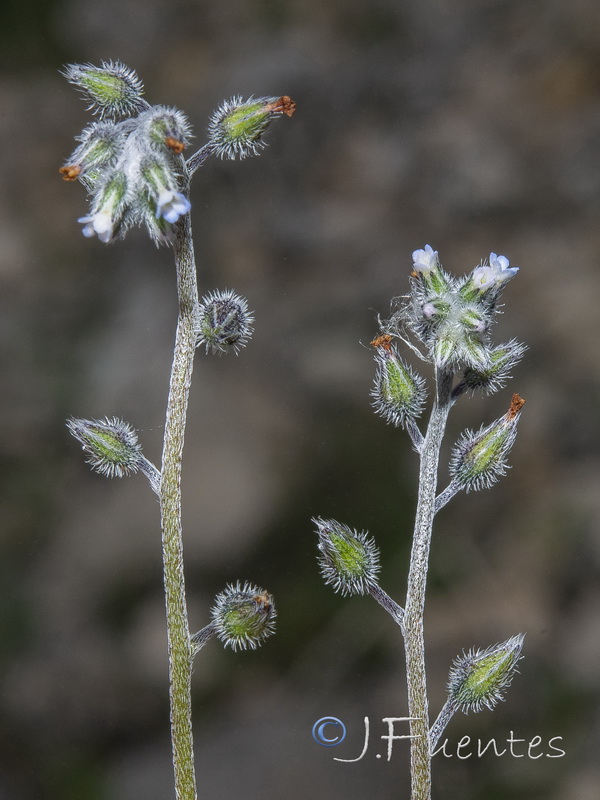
(131, 162)
(386, 602)
(439, 726)
(179, 644)
(451, 319)
(415, 597)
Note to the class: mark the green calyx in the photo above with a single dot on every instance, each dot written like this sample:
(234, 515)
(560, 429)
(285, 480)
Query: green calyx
(114, 191)
(110, 444)
(349, 560)
(398, 394)
(478, 679)
(348, 555)
(247, 122)
(479, 459)
(243, 616)
(112, 89)
(398, 387)
(106, 89)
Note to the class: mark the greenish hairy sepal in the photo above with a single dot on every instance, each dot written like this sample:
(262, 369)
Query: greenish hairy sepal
(112, 89)
(501, 361)
(243, 616)
(349, 560)
(111, 445)
(223, 322)
(479, 459)
(237, 127)
(398, 394)
(99, 148)
(479, 678)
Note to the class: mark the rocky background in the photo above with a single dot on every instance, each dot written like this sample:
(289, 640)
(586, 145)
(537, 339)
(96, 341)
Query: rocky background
(472, 126)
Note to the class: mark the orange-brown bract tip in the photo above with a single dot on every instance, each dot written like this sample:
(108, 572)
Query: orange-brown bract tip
(264, 599)
(516, 404)
(384, 341)
(175, 145)
(283, 105)
(70, 172)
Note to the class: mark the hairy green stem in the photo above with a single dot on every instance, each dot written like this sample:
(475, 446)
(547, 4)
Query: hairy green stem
(179, 643)
(420, 757)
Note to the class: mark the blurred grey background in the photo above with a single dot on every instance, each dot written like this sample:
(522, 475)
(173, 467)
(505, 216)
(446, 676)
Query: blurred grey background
(472, 126)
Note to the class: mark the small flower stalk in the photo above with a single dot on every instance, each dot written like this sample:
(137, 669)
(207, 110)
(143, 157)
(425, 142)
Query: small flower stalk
(132, 162)
(447, 322)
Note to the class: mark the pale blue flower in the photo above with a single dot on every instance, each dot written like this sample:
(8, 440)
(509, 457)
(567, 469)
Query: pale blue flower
(171, 205)
(497, 273)
(99, 224)
(425, 260)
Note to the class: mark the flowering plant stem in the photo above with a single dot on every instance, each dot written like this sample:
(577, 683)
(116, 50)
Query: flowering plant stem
(450, 318)
(131, 162)
(179, 643)
(420, 757)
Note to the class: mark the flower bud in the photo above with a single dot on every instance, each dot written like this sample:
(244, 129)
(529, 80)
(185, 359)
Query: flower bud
(457, 345)
(243, 616)
(167, 128)
(108, 208)
(479, 459)
(478, 678)
(454, 329)
(223, 322)
(111, 445)
(349, 560)
(452, 317)
(113, 89)
(398, 394)
(502, 360)
(237, 126)
(161, 184)
(100, 146)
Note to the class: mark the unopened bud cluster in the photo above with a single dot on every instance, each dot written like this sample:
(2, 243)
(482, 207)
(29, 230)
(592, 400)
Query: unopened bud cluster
(452, 316)
(478, 678)
(131, 161)
(349, 560)
(243, 616)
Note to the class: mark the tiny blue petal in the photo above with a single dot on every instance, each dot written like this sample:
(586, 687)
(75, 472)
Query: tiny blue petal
(172, 205)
